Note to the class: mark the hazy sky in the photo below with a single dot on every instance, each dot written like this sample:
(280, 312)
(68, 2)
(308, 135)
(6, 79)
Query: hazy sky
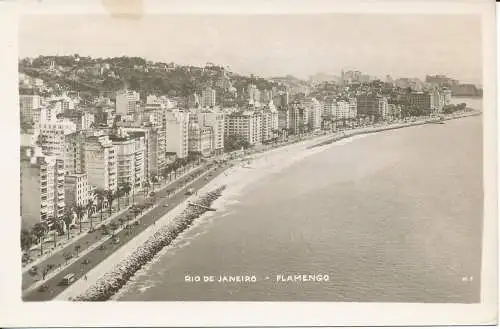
(400, 45)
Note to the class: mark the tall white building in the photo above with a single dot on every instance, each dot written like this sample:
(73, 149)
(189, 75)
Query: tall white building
(208, 97)
(101, 162)
(177, 133)
(200, 139)
(253, 93)
(269, 122)
(126, 101)
(343, 110)
(130, 158)
(50, 136)
(29, 104)
(76, 190)
(246, 124)
(313, 106)
(215, 120)
(42, 187)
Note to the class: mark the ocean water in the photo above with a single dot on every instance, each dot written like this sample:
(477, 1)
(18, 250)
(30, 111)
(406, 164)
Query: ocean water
(390, 217)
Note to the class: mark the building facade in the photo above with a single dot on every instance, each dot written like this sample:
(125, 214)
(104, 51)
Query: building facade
(42, 187)
(101, 162)
(76, 190)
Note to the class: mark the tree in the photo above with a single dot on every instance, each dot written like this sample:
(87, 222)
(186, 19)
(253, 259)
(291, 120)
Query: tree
(101, 196)
(146, 186)
(77, 249)
(80, 212)
(67, 256)
(118, 194)
(126, 188)
(46, 269)
(90, 210)
(39, 231)
(110, 196)
(235, 142)
(154, 179)
(68, 220)
(26, 240)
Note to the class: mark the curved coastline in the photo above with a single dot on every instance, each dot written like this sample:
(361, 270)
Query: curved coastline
(115, 278)
(110, 283)
(370, 130)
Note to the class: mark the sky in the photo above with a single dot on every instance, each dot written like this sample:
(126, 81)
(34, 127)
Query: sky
(272, 45)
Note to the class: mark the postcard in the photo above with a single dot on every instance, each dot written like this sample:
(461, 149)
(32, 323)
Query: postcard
(265, 163)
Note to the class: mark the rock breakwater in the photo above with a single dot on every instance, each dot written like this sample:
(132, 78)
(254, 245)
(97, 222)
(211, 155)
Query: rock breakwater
(110, 283)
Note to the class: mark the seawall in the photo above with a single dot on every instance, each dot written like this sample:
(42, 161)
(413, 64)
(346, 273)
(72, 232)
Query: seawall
(111, 282)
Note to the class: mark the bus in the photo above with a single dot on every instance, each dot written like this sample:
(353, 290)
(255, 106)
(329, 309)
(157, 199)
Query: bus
(68, 279)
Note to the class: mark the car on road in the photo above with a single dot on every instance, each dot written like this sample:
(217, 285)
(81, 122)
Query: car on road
(165, 205)
(190, 191)
(102, 247)
(86, 261)
(116, 240)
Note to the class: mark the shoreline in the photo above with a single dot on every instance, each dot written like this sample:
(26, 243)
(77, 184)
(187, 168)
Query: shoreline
(371, 130)
(266, 161)
(107, 285)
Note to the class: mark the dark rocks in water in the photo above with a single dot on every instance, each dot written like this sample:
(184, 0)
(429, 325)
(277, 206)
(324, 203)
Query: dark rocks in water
(113, 281)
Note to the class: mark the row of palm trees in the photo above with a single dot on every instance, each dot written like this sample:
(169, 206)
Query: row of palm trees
(102, 199)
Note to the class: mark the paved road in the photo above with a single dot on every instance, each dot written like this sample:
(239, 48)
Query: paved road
(84, 241)
(96, 256)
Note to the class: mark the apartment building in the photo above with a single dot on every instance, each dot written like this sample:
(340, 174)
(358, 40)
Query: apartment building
(372, 106)
(154, 147)
(130, 156)
(269, 122)
(246, 124)
(200, 139)
(42, 187)
(51, 136)
(215, 120)
(177, 133)
(315, 110)
(100, 161)
(126, 101)
(299, 118)
(76, 190)
(208, 97)
(29, 106)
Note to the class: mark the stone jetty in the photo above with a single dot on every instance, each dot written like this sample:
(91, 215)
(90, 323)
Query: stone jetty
(111, 282)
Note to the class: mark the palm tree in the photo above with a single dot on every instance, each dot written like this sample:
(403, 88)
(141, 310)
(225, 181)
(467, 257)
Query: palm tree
(80, 212)
(67, 219)
(118, 194)
(110, 196)
(126, 188)
(39, 231)
(147, 185)
(101, 195)
(154, 179)
(90, 210)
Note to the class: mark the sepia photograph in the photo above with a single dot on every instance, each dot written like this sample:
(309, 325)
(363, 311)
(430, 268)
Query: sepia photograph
(322, 156)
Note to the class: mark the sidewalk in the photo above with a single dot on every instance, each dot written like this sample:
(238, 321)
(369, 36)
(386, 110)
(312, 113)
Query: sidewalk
(73, 240)
(97, 243)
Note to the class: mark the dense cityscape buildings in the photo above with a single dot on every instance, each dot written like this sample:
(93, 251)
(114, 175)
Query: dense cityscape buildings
(93, 126)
